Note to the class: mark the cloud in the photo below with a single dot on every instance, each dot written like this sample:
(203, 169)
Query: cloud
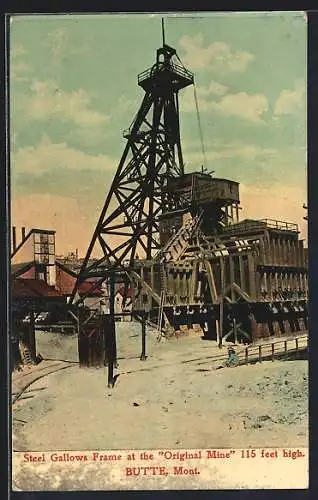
(61, 47)
(86, 137)
(290, 101)
(280, 204)
(47, 156)
(243, 105)
(18, 68)
(235, 149)
(48, 101)
(218, 56)
(125, 105)
(18, 71)
(17, 50)
(214, 88)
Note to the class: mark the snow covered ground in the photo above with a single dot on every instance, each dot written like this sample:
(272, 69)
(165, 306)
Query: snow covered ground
(176, 398)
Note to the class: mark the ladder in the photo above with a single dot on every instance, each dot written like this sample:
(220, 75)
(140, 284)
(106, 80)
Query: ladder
(25, 354)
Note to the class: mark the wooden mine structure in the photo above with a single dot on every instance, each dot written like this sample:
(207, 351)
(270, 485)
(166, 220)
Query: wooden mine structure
(176, 239)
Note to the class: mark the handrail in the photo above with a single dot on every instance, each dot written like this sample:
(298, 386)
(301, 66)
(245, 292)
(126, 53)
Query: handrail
(261, 223)
(260, 355)
(176, 68)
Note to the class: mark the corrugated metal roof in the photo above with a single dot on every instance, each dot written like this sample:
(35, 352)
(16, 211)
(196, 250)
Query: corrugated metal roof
(86, 287)
(33, 288)
(18, 269)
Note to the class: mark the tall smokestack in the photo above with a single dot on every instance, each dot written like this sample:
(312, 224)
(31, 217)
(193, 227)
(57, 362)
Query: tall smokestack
(14, 239)
(23, 233)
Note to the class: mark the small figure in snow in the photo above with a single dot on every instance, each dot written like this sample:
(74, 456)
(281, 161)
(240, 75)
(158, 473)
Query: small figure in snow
(232, 359)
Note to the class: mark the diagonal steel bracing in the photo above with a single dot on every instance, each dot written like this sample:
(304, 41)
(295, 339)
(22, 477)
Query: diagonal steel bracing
(128, 223)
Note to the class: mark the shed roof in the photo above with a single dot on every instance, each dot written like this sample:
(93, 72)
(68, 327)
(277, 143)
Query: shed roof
(33, 288)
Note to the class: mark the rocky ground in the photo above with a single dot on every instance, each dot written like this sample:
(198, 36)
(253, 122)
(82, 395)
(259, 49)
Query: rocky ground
(175, 399)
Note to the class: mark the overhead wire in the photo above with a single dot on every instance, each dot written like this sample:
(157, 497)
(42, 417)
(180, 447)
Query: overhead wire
(199, 126)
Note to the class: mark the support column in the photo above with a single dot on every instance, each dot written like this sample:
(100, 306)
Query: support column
(152, 276)
(31, 337)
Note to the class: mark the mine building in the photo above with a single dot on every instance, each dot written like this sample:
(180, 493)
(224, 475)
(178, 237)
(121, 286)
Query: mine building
(182, 249)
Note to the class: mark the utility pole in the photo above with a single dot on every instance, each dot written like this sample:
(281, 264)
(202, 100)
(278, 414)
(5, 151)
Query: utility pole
(221, 304)
(143, 356)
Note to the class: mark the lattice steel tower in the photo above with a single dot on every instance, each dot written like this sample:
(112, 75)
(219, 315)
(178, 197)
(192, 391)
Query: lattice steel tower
(128, 224)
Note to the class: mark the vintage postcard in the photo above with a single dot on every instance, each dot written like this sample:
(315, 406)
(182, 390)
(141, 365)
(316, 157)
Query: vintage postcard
(159, 322)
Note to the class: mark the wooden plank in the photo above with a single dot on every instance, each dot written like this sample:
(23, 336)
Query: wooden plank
(232, 278)
(242, 275)
(178, 287)
(262, 251)
(185, 292)
(302, 254)
(267, 249)
(211, 280)
(251, 272)
(297, 251)
(270, 285)
(274, 251)
(289, 252)
(278, 252)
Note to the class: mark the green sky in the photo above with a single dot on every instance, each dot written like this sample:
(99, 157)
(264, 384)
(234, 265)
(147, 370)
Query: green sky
(73, 83)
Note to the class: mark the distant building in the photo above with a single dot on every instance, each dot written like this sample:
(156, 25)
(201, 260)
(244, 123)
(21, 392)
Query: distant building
(34, 256)
(34, 264)
(120, 306)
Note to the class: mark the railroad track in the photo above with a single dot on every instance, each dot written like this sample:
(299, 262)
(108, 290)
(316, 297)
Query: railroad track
(20, 383)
